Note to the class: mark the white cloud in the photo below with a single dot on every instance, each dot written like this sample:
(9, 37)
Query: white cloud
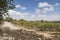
(47, 17)
(17, 15)
(44, 4)
(45, 10)
(33, 17)
(17, 6)
(37, 11)
(52, 17)
(21, 7)
(44, 7)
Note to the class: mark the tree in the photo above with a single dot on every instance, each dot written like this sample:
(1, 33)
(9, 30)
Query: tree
(9, 19)
(42, 20)
(5, 5)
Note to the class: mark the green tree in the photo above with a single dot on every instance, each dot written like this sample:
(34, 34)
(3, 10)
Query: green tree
(5, 5)
(9, 19)
(42, 20)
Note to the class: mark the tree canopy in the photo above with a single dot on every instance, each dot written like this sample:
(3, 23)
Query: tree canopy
(5, 5)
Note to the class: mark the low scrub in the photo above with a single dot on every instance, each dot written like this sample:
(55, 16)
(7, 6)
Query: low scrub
(41, 26)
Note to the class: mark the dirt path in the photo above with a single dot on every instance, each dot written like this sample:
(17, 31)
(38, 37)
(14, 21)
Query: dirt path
(13, 27)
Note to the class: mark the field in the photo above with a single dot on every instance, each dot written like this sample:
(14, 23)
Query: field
(10, 31)
(33, 30)
(39, 25)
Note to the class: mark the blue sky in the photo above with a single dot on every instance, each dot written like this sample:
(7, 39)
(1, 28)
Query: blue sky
(33, 10)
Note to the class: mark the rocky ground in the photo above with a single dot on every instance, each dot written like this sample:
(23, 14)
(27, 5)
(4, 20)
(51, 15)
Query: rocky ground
(9, 31)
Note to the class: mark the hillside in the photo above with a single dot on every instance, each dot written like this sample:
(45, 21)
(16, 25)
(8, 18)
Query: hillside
(10, 31)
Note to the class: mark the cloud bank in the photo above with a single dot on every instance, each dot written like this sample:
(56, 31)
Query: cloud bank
(40, 13)
(33, 17)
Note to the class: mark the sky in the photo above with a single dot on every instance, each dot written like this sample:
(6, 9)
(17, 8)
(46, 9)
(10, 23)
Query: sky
(32, 10)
